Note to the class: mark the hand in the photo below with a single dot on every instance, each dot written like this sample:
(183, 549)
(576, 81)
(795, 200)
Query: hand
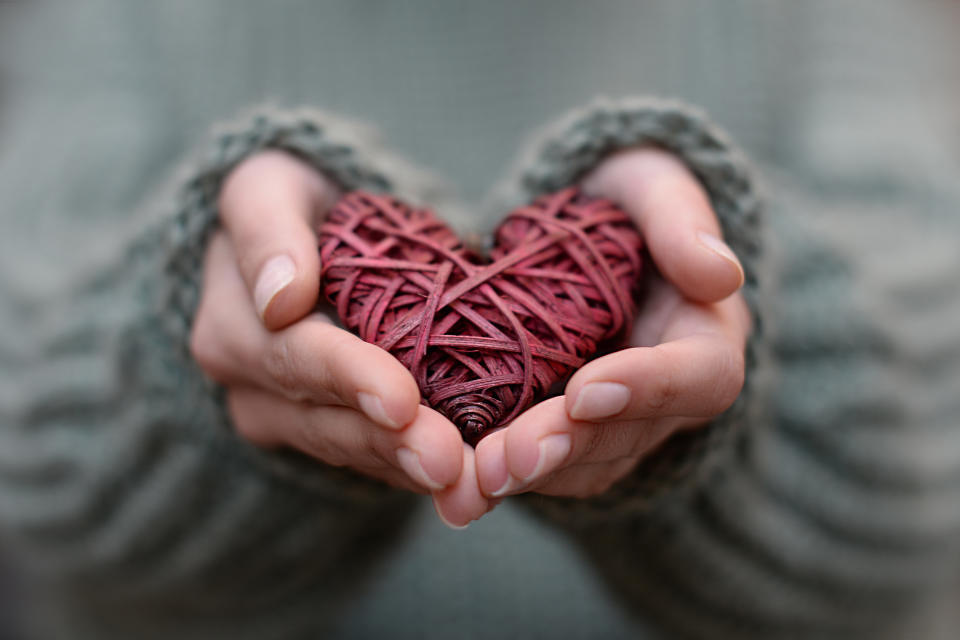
(293, 378)
(685, 363)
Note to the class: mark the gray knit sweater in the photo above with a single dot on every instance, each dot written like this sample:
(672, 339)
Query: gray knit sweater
(825, 503)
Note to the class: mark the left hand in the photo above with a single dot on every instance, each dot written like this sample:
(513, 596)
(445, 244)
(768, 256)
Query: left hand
(685, 363)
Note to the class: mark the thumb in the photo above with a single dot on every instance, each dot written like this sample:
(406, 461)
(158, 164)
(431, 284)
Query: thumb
(676, 219)
(268, 205)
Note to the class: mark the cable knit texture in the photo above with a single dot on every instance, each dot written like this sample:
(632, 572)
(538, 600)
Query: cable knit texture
(824, 504)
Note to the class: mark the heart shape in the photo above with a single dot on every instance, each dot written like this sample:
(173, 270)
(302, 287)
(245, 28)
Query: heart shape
(484, 339)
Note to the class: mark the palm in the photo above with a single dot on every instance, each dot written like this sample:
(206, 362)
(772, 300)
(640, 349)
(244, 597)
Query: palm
(660, 303)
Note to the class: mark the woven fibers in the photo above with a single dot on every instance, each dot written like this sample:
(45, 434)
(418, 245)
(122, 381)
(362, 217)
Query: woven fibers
(484, 338)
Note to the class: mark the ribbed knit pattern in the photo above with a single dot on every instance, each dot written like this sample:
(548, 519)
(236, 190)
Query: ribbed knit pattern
(824, 504)
(121, 479)
(836, 511)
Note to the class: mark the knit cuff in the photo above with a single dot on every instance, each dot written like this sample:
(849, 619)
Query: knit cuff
(348, 154)
(565, 153)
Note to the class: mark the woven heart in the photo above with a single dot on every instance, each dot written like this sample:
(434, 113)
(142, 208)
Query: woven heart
(484, 339)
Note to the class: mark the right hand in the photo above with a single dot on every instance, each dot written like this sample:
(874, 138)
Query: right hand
(293, 378)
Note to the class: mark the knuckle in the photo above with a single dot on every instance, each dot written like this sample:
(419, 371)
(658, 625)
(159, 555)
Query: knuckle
(279, 363)
(339, 374)
(267, 161)
(358, 446)
(616, 438)
(243, 422)
(277, 169)
(660, 393)
(593, 443)
(663, 191)
(205, 348)
(609, 441)
(310, 363)
(323, 444)
(371, 448)
(333, 453)
(339, 355)
(732, 377)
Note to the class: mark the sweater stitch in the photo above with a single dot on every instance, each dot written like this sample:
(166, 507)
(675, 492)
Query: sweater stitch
(838, 505)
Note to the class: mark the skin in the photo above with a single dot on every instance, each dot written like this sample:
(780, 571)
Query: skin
(685, 364)
(294, 379)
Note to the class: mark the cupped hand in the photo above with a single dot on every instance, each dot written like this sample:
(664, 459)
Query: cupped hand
(295, 379)
(683, 367)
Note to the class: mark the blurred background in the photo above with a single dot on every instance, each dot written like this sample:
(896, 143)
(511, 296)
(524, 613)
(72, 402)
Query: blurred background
(100, 99)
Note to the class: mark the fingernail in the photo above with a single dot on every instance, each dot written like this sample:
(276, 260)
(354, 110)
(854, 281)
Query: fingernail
(275, 275)
(600, 400)
(509, 485)
(443, 519)
(553, 449)
(719, 247)
(371, 405)
(410, 462)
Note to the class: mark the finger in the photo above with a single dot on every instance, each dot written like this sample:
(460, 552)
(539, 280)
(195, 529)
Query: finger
(463, 502)
(702, 361)
(544, 440)
(310, 361)
(428, 452)
(584, 480)
(314, 360)
(268, 204)
(493, 474)
(697, 372)
(225, 332)
(581, 479)
(675, 217)
(534, 445)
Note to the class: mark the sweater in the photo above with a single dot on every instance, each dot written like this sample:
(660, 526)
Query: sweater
(824, 503)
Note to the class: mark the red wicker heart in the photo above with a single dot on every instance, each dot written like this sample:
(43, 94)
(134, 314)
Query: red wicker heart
(484, 339)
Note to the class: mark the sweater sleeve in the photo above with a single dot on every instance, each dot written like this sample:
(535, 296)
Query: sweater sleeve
(120, 475)
(825, 502)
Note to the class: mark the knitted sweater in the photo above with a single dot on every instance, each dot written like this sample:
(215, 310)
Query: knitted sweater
(825, 503)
